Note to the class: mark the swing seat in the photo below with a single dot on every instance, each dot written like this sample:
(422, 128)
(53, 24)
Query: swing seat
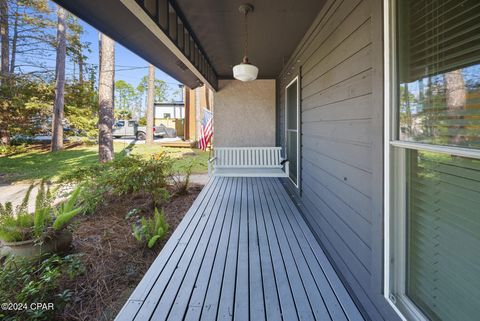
(248, 162)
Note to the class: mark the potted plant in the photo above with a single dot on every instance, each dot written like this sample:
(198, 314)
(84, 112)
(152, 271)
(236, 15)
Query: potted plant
(43, 231)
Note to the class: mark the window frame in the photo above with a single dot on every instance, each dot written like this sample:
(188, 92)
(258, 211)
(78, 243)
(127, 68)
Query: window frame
(291, 83)
(395, 191)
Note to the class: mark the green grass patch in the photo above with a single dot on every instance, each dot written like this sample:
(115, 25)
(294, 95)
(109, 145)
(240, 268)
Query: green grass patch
(37, 163)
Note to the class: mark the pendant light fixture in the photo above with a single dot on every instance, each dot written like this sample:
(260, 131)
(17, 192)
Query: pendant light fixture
(245, 71)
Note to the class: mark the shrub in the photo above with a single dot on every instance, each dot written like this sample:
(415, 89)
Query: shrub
(135, 174)
(150, 230)
(127, 175)
(25, 282)
(182, 181)
(8, 150)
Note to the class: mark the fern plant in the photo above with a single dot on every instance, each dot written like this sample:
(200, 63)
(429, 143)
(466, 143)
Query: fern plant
(150, 230)
(16, 223)
(16, 228)
(20, 225)
(6, 210)
(43, 207)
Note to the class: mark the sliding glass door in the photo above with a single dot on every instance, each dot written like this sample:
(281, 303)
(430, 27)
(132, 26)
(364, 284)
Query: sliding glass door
(435, 220)
(292, 120)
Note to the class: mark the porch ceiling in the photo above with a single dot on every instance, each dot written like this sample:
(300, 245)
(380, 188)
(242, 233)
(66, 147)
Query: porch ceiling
(275, 29)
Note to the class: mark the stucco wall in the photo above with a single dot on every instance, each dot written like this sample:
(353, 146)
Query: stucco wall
(245, 113)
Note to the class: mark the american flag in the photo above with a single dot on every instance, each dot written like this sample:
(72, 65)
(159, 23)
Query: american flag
(206, 130)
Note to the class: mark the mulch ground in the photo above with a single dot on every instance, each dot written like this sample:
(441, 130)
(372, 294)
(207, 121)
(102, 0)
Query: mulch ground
(114, 260)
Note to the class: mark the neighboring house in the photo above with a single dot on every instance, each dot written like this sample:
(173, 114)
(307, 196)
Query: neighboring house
(170, 110)
(171, 114)
(185, 116)
(378, 223)
(196, 100)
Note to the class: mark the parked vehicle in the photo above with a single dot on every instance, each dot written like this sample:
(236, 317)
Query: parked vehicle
(129, 128)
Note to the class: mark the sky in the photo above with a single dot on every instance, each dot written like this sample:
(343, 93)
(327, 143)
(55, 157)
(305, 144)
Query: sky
(128, 66)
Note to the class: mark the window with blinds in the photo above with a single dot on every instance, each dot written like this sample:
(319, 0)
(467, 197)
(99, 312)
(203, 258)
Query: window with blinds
(443, 241)
(438, 103)
(439, 71)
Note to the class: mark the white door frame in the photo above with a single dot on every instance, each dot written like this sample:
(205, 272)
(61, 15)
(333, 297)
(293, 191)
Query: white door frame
(296, 79)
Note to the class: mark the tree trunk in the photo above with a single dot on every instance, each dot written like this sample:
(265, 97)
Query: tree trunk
(57, 122)
(14, 42)
(105, 97)
(4, 69)
(80, 68)
(456, 99)
(4, 38)
(150, 104)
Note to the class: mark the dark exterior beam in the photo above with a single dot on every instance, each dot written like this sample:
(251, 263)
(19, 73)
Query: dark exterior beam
(155, 30)
(167, 15)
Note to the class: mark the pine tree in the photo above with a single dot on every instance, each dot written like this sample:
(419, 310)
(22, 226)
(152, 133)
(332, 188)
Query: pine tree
(33, 35)
(105, 96)
(150, 104)
(4, 70)
(58, 108)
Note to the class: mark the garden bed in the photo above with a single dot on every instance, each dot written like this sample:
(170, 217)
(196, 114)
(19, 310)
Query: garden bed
(114, 261)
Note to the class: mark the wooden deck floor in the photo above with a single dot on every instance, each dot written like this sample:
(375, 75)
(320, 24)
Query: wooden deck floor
(242, 252)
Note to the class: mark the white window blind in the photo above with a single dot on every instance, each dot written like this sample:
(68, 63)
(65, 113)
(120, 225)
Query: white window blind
(439, 72)
(438, 36)
(438, 85)
(443, 260)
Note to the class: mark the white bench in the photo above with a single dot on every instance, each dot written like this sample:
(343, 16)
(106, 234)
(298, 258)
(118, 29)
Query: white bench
(248, 162)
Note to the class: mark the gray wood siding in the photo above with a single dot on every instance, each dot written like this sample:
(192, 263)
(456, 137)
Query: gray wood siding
(340, 65)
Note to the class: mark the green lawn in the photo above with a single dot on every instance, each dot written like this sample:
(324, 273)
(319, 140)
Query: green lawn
(37, 164)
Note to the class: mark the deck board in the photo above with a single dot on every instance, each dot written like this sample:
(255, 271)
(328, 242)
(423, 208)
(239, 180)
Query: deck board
(270, 293)
(256, 296)
(327, 302)
(315, 299)
(302, 304)
(242, 252)
(241, 299)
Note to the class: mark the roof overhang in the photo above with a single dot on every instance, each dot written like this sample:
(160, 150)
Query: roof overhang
(155, 39)
(162, 104)
(199, 41)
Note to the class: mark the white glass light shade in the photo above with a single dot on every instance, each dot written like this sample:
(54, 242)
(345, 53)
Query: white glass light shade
(245, 72)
